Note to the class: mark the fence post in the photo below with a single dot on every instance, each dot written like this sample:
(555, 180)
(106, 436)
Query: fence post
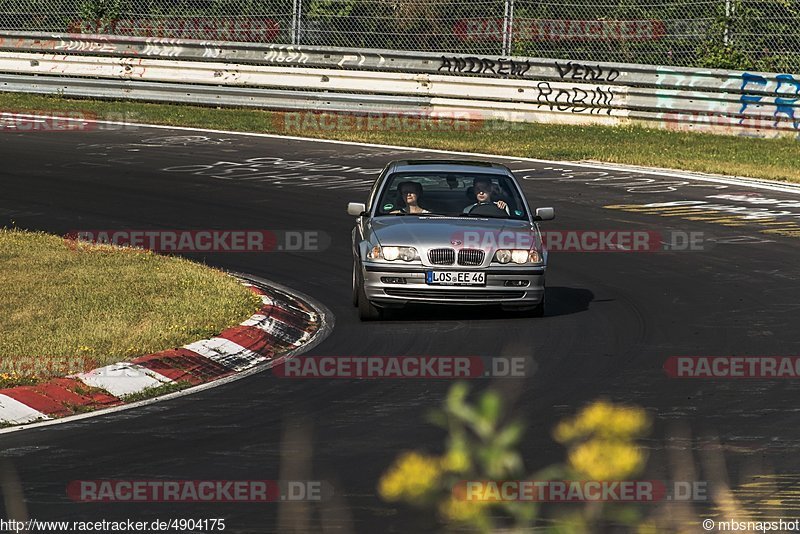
(508, 22)
(728, 12)
(297, 14)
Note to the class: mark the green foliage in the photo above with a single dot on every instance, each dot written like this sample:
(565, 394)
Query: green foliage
(716, 55)
(483, 444)
(328, 10)
(98, 16)
(479, 430)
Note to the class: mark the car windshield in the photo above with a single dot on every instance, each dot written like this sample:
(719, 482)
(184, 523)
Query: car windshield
(451, 194)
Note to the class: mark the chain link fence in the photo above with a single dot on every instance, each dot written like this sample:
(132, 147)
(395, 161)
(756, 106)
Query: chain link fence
(734, 34)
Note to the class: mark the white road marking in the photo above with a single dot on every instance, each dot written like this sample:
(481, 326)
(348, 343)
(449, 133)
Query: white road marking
(740, 181)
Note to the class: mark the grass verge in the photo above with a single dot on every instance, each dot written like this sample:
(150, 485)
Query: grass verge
(69, 307)
(156, 391)
(774, 159)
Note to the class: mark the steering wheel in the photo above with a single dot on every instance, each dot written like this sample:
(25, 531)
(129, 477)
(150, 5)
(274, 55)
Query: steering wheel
(487, 209)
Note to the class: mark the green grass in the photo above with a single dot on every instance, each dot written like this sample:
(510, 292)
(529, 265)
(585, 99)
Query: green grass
(156, 391)
(774, 159)
(69, 307)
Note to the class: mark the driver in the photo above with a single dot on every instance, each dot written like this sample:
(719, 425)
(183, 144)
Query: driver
(482, 189)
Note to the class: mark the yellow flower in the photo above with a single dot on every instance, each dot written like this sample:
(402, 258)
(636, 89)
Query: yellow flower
(461, 510)
(602, 418)
(411, 477)
(600, 459)
(455, 461)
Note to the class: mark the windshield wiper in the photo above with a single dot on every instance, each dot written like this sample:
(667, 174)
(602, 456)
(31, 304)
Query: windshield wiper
(420, 214)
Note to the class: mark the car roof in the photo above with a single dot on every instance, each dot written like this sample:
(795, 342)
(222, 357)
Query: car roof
(448, 165)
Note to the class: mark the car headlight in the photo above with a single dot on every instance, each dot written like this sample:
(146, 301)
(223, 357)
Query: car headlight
(393, 253)
(408, 253)
(519, 256)
(502, 256)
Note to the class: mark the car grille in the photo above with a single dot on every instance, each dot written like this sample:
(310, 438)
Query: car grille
(447, 256)
(453, 294)
(470, 256)
(442, 256)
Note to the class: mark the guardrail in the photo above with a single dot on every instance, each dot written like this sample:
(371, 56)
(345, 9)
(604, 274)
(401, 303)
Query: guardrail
(379, 81)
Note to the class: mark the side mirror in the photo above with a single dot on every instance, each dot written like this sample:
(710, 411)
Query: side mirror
(356, 209)
(544, 214)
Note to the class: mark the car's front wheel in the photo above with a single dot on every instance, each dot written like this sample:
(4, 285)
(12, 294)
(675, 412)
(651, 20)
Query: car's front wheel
(355, 283)
(366, 310)
(534, 311)
(539, 310)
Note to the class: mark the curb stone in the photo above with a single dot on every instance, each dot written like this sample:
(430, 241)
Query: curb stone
(283, 324)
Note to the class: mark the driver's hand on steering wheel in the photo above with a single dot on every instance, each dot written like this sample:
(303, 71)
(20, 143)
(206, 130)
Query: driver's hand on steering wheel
(501, 204)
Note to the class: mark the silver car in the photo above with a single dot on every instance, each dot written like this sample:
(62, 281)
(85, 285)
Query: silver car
(447, 232)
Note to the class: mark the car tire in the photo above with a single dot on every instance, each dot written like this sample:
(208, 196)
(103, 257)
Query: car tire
(367, 311)
(535, 311)
(539, 310)
(355, 284)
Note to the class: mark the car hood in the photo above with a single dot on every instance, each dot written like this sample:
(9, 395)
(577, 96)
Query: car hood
(438, 231)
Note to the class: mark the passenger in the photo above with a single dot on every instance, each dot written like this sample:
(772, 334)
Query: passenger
(482, 190)
(409, 196)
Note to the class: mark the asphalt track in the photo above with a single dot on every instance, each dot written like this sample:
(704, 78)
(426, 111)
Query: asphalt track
(614, 319)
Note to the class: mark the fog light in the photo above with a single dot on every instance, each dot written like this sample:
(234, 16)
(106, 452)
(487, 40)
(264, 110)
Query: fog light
(393, 280)
(516, 283)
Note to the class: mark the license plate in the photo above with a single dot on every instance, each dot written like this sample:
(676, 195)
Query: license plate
(456, 278)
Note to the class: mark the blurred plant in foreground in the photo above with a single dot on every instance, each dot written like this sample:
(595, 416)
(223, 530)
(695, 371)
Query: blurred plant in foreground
(483, 445)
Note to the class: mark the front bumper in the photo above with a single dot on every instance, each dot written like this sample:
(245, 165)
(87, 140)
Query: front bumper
(379, 289)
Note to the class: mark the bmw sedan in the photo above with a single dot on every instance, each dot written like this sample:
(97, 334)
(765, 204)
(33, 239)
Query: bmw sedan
(447, 232)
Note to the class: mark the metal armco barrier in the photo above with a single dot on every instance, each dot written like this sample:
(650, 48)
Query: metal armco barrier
(378, 81)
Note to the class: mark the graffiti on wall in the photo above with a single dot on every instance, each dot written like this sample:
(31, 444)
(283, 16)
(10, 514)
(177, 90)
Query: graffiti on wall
(595, 100)
(580, 71)
(750, 104)
(478, 65)
(77, 45)
(784, 85)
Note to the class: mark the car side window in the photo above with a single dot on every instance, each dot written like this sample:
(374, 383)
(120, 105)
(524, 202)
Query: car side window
(375, 187)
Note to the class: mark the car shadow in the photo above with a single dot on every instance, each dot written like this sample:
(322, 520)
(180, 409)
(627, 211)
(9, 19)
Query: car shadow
(560, 301)
(567, 300)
